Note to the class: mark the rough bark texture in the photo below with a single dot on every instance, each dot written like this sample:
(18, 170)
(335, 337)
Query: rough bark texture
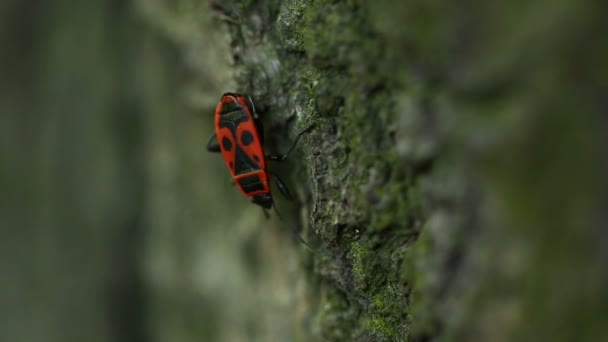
(454, 183)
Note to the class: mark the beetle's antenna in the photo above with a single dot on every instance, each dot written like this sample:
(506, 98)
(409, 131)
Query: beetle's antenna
(255, 114)
(295, 233)
(251, 101)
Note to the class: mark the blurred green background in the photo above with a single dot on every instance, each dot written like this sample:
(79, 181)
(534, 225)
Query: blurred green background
(115, 222)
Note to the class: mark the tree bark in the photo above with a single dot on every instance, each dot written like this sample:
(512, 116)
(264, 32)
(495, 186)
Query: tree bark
(454, 181)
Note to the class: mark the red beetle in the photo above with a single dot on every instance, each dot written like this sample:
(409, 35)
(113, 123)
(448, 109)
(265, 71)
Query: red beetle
(239, 136)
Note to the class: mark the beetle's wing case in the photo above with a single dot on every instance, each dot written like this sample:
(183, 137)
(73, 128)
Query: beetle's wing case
(240, 144)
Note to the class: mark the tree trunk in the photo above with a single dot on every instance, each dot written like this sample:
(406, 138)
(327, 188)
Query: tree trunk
(453, 185)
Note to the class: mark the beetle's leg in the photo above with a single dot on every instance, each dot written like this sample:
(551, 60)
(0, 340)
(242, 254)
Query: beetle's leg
(264, 209)
(212, 144)
(282, 187)
(282, 157)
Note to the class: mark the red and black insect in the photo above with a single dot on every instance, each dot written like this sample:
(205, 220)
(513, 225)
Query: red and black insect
(239, 136)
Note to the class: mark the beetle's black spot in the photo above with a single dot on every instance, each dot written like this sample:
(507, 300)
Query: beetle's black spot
(227, 144)
(246, 138)
(231, 165)
(256, 158)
